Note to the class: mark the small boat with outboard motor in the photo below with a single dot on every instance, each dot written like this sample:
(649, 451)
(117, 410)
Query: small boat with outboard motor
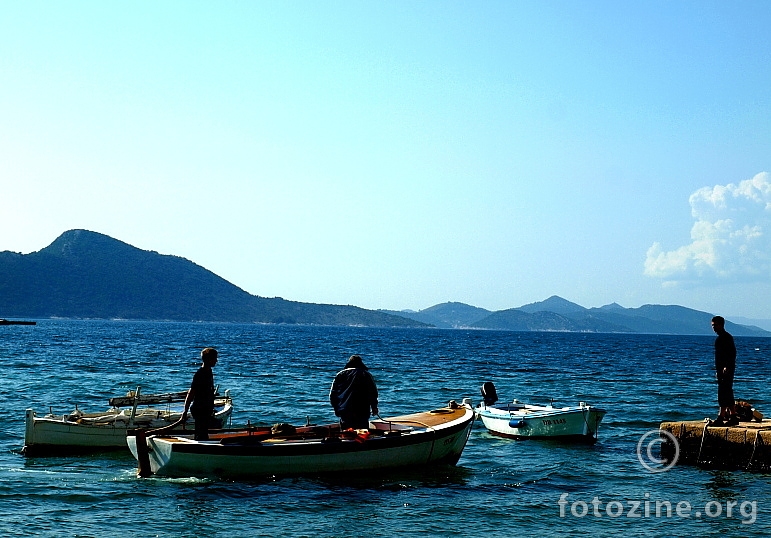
(518, 420)
(80, 431)
(421, 439)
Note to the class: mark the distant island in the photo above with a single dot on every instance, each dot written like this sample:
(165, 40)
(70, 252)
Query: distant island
(559, 315)
(88, 275)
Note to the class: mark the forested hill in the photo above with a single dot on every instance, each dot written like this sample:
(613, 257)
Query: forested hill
(85, 274)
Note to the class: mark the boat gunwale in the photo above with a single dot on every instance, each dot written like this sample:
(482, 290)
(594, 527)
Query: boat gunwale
(222, 410)
(504, 414)
(311, 446)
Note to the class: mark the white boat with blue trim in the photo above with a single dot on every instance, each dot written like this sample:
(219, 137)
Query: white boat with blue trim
(429, 438)
(517, 420)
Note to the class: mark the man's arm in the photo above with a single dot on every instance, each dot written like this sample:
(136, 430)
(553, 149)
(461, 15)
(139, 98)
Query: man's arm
(188, 400)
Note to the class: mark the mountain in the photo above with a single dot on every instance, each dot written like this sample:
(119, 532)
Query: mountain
(516, 319)
(762, 323)
(446, 315)
(557, 314)
(554, 304)
(85, 274)
(560, 315)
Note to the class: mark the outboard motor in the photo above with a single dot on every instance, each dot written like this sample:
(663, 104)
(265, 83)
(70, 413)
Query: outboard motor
(489, 395)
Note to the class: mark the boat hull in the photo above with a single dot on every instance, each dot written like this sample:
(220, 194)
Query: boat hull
(536, 422)
(95, 432)
(431, 438)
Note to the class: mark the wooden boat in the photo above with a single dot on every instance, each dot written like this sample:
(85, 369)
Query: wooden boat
(523, 421)
(420, 439)
(79, 431)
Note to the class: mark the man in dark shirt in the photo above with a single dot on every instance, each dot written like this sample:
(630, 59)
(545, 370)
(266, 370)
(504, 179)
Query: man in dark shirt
(725, 365)
(353, 394)
(200, 397)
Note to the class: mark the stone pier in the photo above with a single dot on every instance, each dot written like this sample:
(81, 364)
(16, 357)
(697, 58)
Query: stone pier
(746, 446)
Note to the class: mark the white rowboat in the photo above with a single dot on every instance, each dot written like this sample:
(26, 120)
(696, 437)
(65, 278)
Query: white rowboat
(99, 431)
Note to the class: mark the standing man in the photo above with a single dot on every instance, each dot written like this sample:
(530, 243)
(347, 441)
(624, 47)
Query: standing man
(200, 397)
(725, 365)
(353, 394)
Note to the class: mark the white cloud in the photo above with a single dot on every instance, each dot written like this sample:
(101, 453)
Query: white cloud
(731, 238)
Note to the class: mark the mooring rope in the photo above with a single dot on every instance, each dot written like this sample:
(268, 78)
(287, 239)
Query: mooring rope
(758, 440)
(755, 445)
(703, 435)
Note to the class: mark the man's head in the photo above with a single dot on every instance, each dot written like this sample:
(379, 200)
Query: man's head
(355, 362)
(209, 356)
(718, 324)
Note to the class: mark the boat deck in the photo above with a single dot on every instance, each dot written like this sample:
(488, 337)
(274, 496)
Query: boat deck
(425, 419)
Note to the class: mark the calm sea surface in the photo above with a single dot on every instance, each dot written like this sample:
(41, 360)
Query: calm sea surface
(282, 374)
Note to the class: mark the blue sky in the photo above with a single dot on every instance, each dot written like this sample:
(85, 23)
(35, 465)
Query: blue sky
(403, 154)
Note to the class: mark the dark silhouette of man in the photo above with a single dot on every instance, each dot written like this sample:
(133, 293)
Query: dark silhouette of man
(725, 366)
(200, 397)
(353, 395)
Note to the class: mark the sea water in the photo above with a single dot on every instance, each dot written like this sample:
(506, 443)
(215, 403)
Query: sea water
(500, 487)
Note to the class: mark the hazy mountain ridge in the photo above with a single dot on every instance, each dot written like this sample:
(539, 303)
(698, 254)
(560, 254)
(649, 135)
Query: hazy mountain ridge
(85, 274)
(558, 314)
(764, 324)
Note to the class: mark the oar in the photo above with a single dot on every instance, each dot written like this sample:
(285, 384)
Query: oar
(143, 452)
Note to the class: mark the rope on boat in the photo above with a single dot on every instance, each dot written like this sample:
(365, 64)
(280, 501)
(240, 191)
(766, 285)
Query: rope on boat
(584, 413)
(593, 434)
(408, 422)
(392, 421)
